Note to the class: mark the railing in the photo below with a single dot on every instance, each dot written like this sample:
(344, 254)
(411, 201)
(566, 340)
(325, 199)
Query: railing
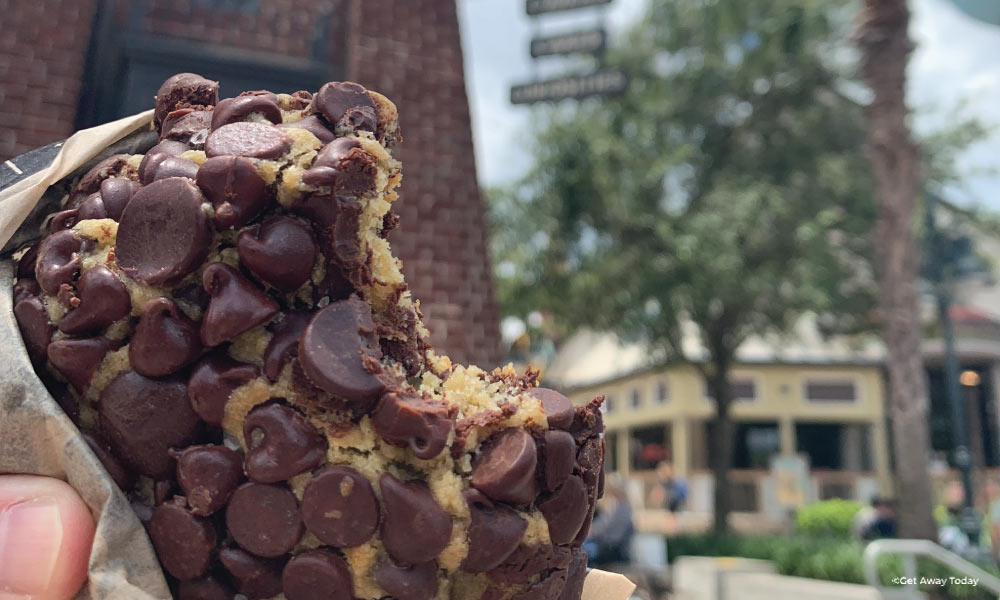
(909, 550)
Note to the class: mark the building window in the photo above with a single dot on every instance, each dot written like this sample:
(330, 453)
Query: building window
(743, 390)
(831, 391)
(662, 392)
(609, 404)
(635, 398)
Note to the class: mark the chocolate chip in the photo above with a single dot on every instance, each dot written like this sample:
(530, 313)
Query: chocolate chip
(313, 125)
(36, 331)
(264, 519)
(405, 419)
(287, 444)
(345, 104)
(280, 252)
(122, 475)
(116, 193)
(175, 166)
(206, 588)
(416, 582)
(77, 360)
(505, 468)
(92, 208)
(415, 529)
(183, 90)
(188, 126)
(527, 561)
(558, 408)
(156, 155)
(559, 451)
(211, 383)
(112, 166)
(236, 305)
(236, 109)
(103, 300)
(143, 418)
(266, 94)
(184, 542)
(208, 475)
(26, 264)
(63, 220)
(339, 351)
(495, 530)
(337, 221)
(255, 140)
(164, 234)
(284, 343)
(256, 578)
(565, 510)
(58, 260)
(165, 340)
(317, 575)
(26, 287)
(545, 589)
(575, 577)
(344, 163)
(339, 507)
(235, 189)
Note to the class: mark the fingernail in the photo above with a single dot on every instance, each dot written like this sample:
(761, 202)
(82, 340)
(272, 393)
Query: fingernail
(30, 537)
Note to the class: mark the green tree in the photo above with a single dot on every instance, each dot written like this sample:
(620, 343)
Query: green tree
(725, 188)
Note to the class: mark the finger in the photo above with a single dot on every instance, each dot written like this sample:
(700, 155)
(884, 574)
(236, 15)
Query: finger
(45, 536)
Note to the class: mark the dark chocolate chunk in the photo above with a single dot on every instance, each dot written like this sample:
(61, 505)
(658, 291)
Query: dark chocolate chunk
(415, 582)
(77, 360)
(264, 519)
(58, 260)
(208, 475)
(156, 155)
(236, 109)
(256, 578)
(565, 510)
(92, 208)
(339, 507)
(547, 588)
(559, 450)
(575, 577)
(143, 418)
(27, 287)
(103, 300)
(205, 588)
(116, 193)
(339, 352)
(318, 574)
(254, 140)
(36, 331)
(26, 264)
(505, 468)
(188, 126)
(415, 529)
(164, 234)
(405, 419)
(267, 94)
(558, 408)
(280, 252)
(344, 165)
(235, 189)
(236, 305)
(112, 166)
(123, 476)
(165, 340)
(527, 561)
(281, 444)
(211, 383)
(63, 220)
(337, 221)
(284, 343)
(345, 105)
(163, 490)
(184, 90)
(495, 531)
(175, 166)
(313, 125)
(184, 542)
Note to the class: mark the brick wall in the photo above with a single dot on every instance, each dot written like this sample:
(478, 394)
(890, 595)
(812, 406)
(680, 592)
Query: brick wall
(409, 51)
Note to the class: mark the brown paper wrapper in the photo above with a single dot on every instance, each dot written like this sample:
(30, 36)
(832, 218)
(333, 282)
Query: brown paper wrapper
(36, 437)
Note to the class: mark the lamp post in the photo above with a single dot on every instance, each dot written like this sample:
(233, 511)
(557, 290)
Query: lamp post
(940, 264)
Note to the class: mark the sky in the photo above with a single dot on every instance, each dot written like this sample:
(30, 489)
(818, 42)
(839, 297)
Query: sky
(954, 66)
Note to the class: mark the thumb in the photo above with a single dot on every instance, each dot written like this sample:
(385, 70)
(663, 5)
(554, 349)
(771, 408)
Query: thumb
(45, 536)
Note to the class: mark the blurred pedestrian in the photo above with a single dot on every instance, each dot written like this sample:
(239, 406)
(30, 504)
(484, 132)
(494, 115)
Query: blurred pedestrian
(669, 492)
(610, 537)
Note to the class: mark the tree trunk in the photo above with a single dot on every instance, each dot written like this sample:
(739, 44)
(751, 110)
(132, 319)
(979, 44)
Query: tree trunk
(721, 453)
(885, 48)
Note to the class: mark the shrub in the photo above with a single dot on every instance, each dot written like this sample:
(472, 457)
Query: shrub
(829, 518)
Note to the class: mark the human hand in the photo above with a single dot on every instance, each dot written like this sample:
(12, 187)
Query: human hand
(45, 535)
